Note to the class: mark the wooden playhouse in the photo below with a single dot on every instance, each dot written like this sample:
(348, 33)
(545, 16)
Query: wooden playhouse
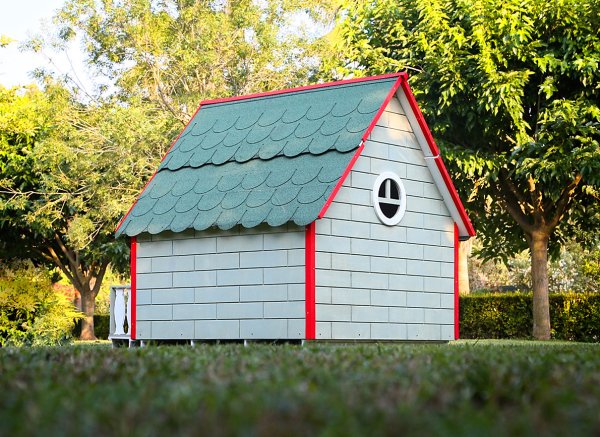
(322, 212)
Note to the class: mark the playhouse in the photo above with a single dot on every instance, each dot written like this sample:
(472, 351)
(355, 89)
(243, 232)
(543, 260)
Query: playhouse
(322, 212)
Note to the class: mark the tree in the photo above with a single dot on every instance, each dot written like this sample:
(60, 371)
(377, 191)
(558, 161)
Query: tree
(71, 171)
(158, 59)
(511, 90)
(176, 53)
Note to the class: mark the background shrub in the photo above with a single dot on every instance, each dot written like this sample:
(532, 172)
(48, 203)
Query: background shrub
(31, 311)
(573, 316)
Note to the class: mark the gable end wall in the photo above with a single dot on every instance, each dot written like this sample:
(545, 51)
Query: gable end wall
(379, 282)
(236, 284)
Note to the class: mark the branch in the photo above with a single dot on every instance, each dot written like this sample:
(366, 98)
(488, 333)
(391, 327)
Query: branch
(163, 98)
(99, 278)
(90, 273)
(65, 250)
(511, 204)
(508, 185)
(74, 262)
(59, 263)
(564, 201)
(536, 199)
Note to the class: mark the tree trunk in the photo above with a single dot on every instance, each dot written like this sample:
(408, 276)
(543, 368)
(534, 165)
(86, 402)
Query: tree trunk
(538, 245)
(88, 306)
(464, 250)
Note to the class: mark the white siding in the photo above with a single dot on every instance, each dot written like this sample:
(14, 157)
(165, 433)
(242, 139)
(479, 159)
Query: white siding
(379, 282)
(237, 284)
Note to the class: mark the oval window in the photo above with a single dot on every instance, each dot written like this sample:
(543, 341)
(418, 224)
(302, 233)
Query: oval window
(389, 198)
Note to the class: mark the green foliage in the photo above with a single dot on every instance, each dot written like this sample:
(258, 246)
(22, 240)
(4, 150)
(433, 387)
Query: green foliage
(93, 166)
(25, 118)
(5, 41)
(72, 171)
(31, 312)
(575, 316)
(465, 389)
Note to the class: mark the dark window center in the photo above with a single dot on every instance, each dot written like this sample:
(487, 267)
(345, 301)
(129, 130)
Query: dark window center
(389, 198)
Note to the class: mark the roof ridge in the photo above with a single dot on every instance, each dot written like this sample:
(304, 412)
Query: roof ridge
(314, 87)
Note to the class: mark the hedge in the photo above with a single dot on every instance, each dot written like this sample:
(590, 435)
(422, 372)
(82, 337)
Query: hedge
(573, 316)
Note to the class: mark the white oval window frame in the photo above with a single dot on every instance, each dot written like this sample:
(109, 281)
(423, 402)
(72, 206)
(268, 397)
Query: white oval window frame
(375, 198)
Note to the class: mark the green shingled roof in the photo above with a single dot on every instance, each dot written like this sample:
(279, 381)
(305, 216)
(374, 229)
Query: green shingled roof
(270, 159)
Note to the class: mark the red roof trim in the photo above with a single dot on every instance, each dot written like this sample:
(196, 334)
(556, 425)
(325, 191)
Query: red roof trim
(454, 194)
(420, 119)
(156, 171)
(302, 88)
(341, 180)
(438, 159)
(402, 77)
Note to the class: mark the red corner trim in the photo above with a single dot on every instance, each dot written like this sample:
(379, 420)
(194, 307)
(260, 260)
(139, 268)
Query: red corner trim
(156, 171)
(402, 77)
(438, 159)
(133, 290)
(340, 182)
(302, 88)
(420, 119)
(311, 323)
(456, 290)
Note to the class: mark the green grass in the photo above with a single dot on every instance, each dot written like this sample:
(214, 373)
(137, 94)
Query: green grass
(467, 388)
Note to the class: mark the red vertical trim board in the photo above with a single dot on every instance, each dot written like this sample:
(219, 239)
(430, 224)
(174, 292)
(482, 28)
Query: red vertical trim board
(133, 290)
(310, 247)
(456, 290)
(402, 77)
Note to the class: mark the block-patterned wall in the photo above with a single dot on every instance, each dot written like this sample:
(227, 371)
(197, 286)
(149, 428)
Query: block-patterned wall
(380, 282)
(236, 284)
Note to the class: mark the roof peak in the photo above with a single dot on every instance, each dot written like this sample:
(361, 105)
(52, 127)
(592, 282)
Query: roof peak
(304, 88)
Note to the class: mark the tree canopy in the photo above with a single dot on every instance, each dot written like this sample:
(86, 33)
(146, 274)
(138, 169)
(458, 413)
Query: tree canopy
(69, 173)
(75, 162)
(178, 52)
(512, 92)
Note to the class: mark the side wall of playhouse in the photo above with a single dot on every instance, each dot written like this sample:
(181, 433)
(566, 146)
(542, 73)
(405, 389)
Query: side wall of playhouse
(236, 284)
(379, 282)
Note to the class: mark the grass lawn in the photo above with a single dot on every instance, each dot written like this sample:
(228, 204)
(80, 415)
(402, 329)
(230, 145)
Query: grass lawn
(483, 388)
